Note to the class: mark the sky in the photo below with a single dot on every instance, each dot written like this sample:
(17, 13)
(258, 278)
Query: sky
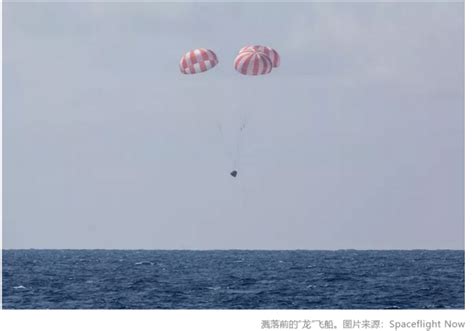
(355, 142)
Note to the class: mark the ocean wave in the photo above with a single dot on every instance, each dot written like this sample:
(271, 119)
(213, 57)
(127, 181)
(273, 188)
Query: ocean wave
(144, 263)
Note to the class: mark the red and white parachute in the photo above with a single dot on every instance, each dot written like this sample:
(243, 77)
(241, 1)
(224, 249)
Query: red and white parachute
(198, 60)
(268, 51)
(253, 63)
(252, 60)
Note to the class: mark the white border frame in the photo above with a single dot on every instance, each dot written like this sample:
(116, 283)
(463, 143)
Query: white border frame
(243, 320)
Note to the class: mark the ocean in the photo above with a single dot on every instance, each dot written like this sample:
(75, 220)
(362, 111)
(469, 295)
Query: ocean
(233, 279)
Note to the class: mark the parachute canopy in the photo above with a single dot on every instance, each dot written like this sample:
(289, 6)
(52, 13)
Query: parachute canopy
(198, 60)
(268, 51)
(252, 63)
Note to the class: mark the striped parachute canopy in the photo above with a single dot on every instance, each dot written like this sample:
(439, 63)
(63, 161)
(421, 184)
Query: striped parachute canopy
(198, 60)
(268, 51)
(252, 63)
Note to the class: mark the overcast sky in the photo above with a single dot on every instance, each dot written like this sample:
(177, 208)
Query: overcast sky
(356, 141)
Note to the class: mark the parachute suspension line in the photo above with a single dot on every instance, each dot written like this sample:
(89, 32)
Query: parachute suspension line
(237, 151)
(237, 138)
(240, 137)
(223, 138)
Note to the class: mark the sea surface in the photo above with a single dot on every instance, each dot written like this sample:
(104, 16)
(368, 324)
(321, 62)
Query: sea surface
(232, 279)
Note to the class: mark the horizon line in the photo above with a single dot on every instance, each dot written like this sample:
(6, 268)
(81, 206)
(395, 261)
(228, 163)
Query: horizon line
(240, 249)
